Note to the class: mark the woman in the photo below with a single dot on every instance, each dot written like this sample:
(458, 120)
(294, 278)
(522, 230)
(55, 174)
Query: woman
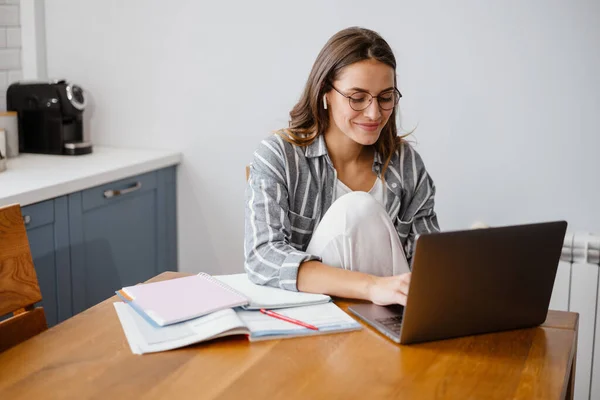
(334, 203)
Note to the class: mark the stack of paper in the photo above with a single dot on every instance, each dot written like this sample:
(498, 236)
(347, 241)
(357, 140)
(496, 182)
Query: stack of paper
(181, 299)
(144, 337)
(175, 313)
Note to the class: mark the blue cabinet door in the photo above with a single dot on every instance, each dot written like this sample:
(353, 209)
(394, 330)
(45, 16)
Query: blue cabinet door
(167, 221)
(47, 231)
(119, 236)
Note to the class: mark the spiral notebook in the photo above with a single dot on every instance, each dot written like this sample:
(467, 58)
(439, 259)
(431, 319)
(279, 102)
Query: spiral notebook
(181, 299)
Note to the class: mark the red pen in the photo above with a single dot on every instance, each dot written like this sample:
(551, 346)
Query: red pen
(288, 319)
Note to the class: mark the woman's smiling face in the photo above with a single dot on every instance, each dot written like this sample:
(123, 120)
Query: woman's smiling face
(362, 80)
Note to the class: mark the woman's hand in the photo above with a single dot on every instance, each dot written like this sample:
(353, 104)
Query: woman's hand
(389, 289)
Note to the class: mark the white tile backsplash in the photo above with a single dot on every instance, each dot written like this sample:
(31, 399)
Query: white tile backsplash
(10, 59)
(9, 15)
(13, 38)
(3, 81)
(10, 47)
(14, 76)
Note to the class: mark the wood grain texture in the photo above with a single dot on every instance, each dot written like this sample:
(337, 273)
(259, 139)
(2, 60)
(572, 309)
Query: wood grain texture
(19, 289)
(21, 327)
(562, 319)
(88, 356)
(18, 281)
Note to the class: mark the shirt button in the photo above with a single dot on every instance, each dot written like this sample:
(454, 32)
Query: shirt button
(394, 185)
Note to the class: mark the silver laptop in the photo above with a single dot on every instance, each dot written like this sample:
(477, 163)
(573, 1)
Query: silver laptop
(471, 282)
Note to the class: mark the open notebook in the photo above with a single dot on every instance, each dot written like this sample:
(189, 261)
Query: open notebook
(144, 337)
(269, 297)
(177, 300)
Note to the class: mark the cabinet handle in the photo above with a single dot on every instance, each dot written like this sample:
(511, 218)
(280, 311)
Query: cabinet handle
(26, 219)
(114, 193)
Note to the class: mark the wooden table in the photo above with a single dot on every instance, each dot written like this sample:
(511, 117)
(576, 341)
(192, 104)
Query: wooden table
(88, 356)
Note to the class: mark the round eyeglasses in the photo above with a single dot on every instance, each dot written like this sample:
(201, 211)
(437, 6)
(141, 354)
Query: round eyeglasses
(360, 101)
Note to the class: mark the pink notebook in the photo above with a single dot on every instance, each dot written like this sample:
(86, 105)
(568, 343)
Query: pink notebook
(180, 299)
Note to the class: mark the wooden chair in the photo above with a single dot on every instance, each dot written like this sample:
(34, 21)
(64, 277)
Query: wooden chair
(19, 289)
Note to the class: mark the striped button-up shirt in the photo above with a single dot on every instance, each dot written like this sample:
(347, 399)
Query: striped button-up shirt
(290, 189)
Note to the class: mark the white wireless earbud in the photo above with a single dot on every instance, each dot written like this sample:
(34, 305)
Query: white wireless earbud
(325, 101)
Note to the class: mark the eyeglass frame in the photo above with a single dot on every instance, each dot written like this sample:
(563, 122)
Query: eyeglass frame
(349, 97)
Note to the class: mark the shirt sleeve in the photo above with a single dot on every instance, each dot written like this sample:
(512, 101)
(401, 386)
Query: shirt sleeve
(270, 259)
(421, 206)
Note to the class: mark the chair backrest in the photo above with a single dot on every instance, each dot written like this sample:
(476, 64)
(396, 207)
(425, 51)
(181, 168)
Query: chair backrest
(19, 289)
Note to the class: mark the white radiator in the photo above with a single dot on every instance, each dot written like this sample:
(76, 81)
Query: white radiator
(576, 288)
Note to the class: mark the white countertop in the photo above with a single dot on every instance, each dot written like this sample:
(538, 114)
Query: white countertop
(30, 178)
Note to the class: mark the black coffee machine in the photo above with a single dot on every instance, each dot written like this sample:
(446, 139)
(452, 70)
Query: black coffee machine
(50, 116)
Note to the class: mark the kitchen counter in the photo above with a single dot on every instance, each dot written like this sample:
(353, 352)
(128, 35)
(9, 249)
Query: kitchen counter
(31, 178)
(86, 244)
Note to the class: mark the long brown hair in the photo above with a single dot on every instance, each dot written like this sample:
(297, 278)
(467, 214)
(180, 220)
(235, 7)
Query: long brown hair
(308, 118)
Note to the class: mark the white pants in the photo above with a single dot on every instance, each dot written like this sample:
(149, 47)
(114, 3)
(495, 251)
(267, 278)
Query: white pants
(357, 234)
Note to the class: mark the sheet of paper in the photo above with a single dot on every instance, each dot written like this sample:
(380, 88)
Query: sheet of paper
(326, 317)
(269, 297)
(145, 338)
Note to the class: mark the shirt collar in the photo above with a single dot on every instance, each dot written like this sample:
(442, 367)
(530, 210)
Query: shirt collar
(377, 160)
(318, 148)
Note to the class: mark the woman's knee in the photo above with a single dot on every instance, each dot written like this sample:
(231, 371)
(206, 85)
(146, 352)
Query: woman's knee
(359, 205)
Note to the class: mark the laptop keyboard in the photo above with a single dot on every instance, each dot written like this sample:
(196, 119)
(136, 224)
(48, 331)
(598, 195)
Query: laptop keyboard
(392, 323)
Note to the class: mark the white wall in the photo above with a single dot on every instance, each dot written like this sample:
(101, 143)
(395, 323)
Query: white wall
(10, 47)
(507, 98)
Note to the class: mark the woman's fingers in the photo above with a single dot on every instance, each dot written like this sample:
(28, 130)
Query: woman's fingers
(404, 283)
(390, 290)
(401, 299)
